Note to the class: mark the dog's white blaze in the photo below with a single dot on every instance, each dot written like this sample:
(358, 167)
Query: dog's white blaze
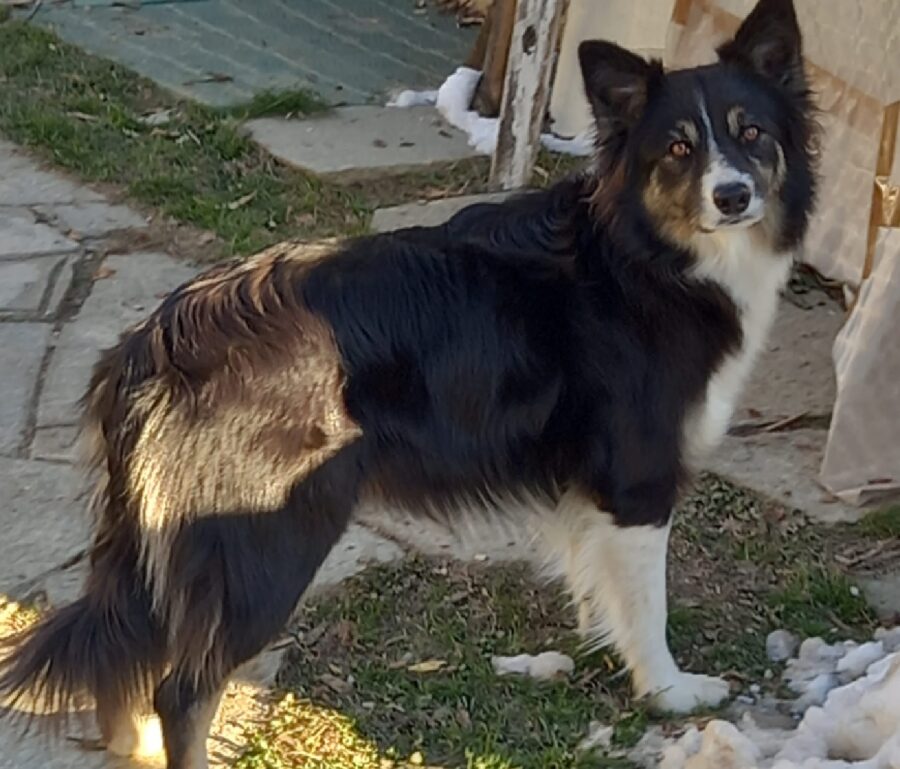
(738, 260)
(719, 171)
(617, 576)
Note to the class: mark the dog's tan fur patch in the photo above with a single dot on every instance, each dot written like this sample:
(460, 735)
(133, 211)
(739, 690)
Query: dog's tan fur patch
(243, 399)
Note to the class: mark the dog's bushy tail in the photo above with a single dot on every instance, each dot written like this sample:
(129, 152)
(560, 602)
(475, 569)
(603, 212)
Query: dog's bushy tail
(101, 648)
(106, 647)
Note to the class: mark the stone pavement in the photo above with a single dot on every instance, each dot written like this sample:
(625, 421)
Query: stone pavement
(223, 52)
(368, 142)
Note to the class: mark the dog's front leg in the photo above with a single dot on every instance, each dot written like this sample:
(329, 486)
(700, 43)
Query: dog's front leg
(620, 571)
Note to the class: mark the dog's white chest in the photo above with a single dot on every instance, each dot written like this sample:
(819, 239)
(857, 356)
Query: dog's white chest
(753, 278)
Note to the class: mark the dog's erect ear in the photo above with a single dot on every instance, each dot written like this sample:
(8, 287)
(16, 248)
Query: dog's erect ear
(769, 43)
(617, 83)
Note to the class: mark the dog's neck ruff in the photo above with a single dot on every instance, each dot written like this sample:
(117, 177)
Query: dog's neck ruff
(742, 264)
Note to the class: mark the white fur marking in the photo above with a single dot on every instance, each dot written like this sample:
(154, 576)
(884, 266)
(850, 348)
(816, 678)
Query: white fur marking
(718, 172)
(738, 261)
(620, 573)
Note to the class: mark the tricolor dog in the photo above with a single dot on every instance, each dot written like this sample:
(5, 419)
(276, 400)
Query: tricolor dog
(573, 352)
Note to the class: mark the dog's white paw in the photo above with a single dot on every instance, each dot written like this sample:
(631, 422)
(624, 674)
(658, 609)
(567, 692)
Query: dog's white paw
(690, 691)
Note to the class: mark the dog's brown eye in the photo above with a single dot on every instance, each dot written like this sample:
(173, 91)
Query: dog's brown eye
(679, 149)
(750, 133)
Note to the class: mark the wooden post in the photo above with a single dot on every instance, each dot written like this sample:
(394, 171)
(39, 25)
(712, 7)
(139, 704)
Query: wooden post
(526, 92)
(497, 31)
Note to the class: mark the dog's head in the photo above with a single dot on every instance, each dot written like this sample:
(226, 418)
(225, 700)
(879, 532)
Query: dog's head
(708, 150)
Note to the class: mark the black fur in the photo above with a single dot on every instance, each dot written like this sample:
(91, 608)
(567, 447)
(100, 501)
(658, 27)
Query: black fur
(476, 367)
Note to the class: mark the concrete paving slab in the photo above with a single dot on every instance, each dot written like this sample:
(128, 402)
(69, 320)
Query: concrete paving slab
(358, 548)
(92, 219)
(224, 52)
(24, 283)
(784, 466)
(61, 285)
(468, 538)
(428, 213)
(135, 285)
(883, 594)
(58, 443)
(361, 142)
(43, 522)
(22, 348)
(72, 359)
(23, 235)
(24, 183)
(795, 374)
(33, 750)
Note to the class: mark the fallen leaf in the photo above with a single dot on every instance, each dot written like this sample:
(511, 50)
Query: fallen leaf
(402, 662)
(428, 666)
(103, 272)
(234, 205)
(158, 118)
(337, 685)
(84, 116)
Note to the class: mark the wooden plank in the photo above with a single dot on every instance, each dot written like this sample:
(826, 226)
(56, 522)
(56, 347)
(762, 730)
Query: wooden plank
(499, 29)
(478, 54)
(526, 91)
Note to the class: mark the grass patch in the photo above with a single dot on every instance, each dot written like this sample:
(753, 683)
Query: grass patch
(103, 122)
(192, 163)
(404, 652)
(740, 568)
(817, 602)
(296, 103)
(884, 524)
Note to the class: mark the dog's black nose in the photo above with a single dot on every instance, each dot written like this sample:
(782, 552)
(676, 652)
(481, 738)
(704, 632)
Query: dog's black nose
(732, 198)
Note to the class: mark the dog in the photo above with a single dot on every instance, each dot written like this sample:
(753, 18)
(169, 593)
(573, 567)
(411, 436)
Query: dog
(576, 351)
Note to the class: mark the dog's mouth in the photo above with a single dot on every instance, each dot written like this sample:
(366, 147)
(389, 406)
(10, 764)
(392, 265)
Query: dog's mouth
(730, 222)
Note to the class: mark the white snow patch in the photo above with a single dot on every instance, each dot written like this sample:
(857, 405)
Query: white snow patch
(781, 645)
(544, 667)
(453, 99)
(849, 696)
(413, 99)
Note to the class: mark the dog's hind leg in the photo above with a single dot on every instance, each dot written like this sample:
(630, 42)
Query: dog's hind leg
(621, 571)
(186, 710)
(126, 729)
(563, 540)
(235, 579)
